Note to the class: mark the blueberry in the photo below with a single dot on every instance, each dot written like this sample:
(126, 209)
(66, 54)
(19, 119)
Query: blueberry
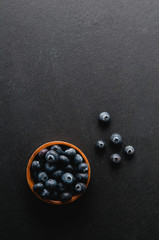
(42, 162)
(52, 156)
(115, 159)
(34, 175)
(49, 167)
(83, 168)
(129, 150)
(57, 174)
(43, 152)
(42, 177)
(78, 159)
(38, 187)
(116, 139)
(100, 145)
(51, 184)
(64, 160)
(68, 168)
(57, 149)
(54, 195)
(70, 152)
(35, 165)
(45, 193)
(80, 187)
(66, 196)
(104, 117)
(67, 178)
(82, 177)
(60, 187)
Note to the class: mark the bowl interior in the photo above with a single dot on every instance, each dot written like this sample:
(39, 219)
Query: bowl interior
(46, 145)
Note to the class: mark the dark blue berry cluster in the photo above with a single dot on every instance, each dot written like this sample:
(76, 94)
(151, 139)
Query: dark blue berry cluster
(59, 173)
(115, 139)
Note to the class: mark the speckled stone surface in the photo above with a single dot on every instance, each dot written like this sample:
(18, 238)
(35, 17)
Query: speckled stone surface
(61, 64)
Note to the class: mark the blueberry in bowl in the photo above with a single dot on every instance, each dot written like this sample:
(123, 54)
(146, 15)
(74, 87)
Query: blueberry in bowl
(58, 172)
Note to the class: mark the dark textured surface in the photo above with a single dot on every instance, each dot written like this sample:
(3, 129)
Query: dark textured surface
(62, 62)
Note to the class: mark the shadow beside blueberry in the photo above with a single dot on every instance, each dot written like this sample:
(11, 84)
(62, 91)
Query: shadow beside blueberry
(103, 125)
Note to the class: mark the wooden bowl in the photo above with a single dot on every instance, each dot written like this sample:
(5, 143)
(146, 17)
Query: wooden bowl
(31, 182)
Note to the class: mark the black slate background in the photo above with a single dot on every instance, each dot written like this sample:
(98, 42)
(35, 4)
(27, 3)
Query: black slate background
(62, 63)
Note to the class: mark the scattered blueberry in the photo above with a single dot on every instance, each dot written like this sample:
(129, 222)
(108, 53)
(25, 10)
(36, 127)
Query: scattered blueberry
(78, 159)
(80, 187)
(49, 167)
(45, 193)
(68, 168)
(51, 184)
(42, 177)
(67, 178)
(116, 139)
(129, 150)
(104, 117)
(57, 149)
(82, 177)
(66, 196)
(60, 187)
(57, 174)
(70, 152)
(38, 187)
(115, 159)
(35, 165)
(64, 160)
(100, 145)
(83, 168)
(43, 152)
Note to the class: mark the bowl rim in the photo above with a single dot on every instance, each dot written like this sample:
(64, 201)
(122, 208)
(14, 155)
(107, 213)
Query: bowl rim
(30, 180)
